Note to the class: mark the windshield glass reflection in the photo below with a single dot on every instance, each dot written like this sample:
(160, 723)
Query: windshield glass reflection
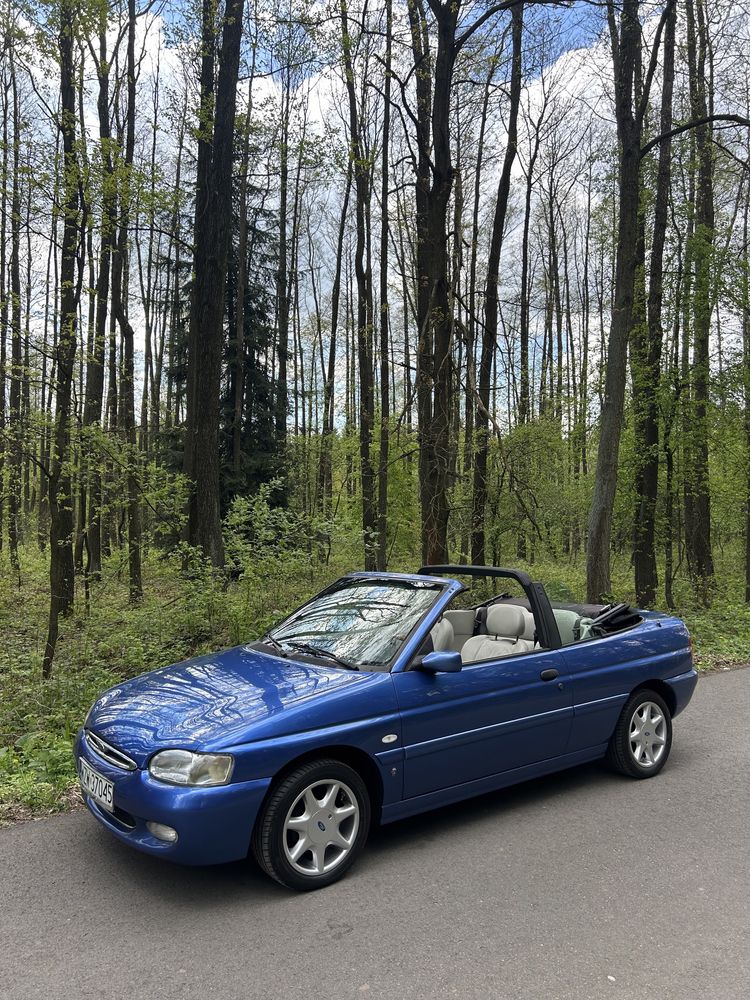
(363, 622)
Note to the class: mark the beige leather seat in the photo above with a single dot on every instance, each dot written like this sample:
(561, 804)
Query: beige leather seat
(506, 624)
(441, 634)
(462, 620)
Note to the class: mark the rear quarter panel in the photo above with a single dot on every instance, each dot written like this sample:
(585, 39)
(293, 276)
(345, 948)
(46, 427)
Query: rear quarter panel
(605, 671)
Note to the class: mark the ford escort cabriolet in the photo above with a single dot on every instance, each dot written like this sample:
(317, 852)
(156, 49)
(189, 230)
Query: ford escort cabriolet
(386, 695)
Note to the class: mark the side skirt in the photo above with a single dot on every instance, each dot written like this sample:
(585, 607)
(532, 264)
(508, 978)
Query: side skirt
(493, 782)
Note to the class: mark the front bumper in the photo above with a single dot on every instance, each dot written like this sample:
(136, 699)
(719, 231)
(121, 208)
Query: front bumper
(213, 825)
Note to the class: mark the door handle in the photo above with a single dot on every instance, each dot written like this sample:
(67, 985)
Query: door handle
(550, 674)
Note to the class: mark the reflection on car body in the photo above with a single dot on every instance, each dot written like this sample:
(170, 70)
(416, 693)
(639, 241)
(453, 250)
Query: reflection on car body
(386, 695)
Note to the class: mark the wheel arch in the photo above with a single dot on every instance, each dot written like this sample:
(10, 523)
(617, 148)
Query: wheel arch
(661, 688)
(356, 758)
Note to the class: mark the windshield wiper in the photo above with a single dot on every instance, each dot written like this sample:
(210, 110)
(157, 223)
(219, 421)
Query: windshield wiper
(306, 647)
(270, 641)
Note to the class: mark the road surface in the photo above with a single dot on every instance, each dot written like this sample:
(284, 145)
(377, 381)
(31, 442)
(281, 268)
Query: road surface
(580, 885)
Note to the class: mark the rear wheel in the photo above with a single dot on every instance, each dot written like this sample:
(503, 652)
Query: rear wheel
(313, 826)
(642, 739)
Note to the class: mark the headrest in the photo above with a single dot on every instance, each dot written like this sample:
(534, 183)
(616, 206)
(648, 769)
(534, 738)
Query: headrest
(506, 619)
(441, 634)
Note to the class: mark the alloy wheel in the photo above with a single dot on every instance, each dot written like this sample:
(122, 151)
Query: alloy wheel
(648, 734)
(321, 827)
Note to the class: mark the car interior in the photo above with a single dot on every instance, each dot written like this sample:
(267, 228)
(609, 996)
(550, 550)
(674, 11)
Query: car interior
(507, 628)
(485, 633)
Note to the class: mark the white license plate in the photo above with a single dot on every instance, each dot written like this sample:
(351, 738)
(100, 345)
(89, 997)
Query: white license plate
(96, 785)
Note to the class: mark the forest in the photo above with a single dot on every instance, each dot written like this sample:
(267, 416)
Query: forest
(295, 287)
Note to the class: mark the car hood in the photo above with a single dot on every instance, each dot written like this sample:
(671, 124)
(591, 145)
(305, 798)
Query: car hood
(215, 700)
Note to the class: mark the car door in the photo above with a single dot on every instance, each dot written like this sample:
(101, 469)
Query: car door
(487, 718)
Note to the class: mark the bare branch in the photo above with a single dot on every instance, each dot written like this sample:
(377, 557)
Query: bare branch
(696, 123)
(653, 61)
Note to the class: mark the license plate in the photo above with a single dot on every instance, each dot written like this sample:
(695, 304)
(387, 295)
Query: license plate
(96, 786)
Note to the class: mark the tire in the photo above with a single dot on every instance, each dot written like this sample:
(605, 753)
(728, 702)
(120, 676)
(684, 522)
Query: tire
(642, 739)
(313, 826)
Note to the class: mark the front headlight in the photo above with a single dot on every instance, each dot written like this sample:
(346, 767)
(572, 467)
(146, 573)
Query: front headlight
(183, 767)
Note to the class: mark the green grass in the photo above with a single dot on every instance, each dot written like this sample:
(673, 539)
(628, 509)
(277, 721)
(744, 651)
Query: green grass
(112, 640)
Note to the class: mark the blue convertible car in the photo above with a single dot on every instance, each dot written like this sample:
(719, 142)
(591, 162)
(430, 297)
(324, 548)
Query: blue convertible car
(386, 695)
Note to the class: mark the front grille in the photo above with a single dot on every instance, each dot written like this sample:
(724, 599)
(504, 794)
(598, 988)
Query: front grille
(124, 818)
(109, 753)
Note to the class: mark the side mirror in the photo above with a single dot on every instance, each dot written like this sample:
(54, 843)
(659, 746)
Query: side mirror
(443, 662)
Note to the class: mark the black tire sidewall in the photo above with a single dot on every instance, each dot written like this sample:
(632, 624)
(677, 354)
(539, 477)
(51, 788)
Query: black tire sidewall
(268, 846)
(620, 755)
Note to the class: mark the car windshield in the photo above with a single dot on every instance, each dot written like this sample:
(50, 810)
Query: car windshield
(363, 622)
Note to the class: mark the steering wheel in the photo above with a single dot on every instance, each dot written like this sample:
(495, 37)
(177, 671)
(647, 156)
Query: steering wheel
(611, 611)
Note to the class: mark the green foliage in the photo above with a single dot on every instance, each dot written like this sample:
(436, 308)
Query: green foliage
(188, 609)
(281, 548)
(34, 770)
(721, 636)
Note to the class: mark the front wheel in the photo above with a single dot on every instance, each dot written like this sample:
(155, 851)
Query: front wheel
(313, 826)
(642, 739)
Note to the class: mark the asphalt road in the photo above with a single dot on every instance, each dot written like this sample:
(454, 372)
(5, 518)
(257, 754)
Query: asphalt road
(580, 885)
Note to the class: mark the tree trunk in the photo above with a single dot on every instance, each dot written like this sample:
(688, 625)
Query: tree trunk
(629, 115)
(127, 378)
(238, 374)
(92, 412)
(646, 358)
(746, 387)
(16, 367)
(385, 403)
(60, 492)
(489, 333)
(524, 401)
(434, 178)
(325, 470)
(282, 295)
(210, 261)
(4, 301)
(698, 511)
(472, 324)
(364, 306)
